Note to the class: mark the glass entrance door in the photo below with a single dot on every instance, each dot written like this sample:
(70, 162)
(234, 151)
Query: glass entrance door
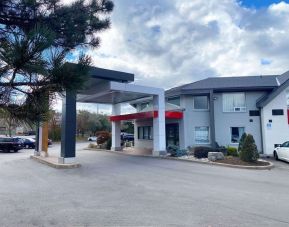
(172, 134)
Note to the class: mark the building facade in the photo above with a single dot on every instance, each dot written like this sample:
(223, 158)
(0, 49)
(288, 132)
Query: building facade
(217, 111)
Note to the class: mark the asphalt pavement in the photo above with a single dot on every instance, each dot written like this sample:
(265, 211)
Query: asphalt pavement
(120, 190)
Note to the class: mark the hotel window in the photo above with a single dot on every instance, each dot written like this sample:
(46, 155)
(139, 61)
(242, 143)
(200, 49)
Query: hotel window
(236, 134)
(234, 102)
(145, 133)
(201, 103)
(202, 135)
(175, 101)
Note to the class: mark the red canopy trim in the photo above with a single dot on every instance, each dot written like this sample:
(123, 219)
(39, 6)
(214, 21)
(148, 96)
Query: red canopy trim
(145, 115)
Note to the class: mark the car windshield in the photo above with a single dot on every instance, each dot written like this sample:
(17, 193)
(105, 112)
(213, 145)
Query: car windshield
(286, 144)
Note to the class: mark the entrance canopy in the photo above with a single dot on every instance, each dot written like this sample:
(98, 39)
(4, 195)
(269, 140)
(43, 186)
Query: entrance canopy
(111, 87)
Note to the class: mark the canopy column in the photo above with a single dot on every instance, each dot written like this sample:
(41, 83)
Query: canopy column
(115, 129)
(159, 125)
(68, 128)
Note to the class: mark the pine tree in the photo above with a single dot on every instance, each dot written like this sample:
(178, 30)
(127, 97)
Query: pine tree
(35, 38)
(241, 142)
(249, 152)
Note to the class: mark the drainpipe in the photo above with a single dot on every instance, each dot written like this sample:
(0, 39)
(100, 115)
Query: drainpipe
(261, 130)
(212, 119)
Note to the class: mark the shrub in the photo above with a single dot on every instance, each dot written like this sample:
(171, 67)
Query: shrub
(174, 151)
(102, 137)
(108, 143)
(202, 152)
(249, 152)
(241, 142)
(232, 151)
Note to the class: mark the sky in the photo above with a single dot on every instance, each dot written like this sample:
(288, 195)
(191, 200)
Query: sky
(258, 3)
(166, 43)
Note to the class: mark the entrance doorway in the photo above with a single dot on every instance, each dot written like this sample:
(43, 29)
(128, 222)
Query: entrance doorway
(172, 134)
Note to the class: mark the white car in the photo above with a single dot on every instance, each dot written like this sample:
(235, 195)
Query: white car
(282, 152)
(92, 138)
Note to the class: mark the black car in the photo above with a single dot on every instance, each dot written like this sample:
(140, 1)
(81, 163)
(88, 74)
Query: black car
(7, 144)
(126, 136)
(28, 143)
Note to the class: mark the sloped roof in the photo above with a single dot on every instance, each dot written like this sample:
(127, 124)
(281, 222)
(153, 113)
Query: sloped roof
(284, 83)
(231, 83)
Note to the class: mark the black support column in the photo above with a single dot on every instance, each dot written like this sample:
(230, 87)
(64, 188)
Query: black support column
(68, 128)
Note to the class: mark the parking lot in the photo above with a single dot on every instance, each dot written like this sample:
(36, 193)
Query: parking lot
(120, 190)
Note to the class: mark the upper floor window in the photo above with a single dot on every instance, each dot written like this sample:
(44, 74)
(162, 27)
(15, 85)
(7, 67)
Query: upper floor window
(201, 103)
(175, 101)
(234, 102)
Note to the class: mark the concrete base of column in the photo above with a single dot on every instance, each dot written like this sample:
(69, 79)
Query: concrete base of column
(62, 160)
(159, 153)
(116, 149)
(36, 153)
(44, 154)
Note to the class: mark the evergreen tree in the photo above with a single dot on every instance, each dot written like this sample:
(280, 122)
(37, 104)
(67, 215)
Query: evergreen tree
(241, 142)
(35, 38)
(249, 152)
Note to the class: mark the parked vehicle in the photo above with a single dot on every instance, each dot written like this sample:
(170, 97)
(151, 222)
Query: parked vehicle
(126, 136)
(282, 152)
(49, 141)
(92, 138)
(8, 143)
(28, 143)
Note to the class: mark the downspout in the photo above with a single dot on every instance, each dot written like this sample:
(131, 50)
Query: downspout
(212, 119)
(261, 130)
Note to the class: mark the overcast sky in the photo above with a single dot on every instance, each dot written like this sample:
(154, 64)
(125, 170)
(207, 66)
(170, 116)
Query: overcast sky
(166, 43)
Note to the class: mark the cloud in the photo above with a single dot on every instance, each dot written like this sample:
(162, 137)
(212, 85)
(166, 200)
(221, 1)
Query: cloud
(166, 43)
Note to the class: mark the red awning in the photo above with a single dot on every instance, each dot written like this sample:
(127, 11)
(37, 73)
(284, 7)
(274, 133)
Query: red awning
(144, 115)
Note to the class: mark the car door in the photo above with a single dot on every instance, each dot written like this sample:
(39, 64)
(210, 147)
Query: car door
(282, 150)
(285, 152)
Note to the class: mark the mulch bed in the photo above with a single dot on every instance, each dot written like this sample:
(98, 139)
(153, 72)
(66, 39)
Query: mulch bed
(238, 161)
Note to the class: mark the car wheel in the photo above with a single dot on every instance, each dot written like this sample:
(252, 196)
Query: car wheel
(16, 151)
(90, 140)
(276, 155)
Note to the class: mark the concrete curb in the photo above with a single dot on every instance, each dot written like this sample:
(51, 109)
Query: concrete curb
(55, 165)
(268, 167)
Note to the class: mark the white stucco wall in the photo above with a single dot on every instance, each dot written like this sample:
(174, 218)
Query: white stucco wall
(276, 132)
(140, 143)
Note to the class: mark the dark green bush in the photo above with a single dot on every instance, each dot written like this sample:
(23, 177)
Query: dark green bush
(175, 151)
(202, 152)
(232, 151)
(108, 143)
(241, 142)
(249, 152)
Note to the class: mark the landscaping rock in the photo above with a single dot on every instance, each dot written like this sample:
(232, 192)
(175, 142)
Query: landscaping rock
(213, 156)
